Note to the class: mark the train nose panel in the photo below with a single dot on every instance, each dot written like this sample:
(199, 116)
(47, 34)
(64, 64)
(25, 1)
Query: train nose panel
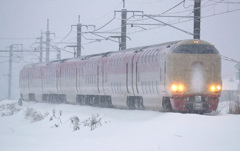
(197, 77)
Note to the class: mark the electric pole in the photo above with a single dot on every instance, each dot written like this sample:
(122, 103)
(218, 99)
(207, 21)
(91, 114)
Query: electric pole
(47, 41)
(79, 36)
(123, 40)
(41, 51)
(48, 33)
(123, 43)
(197, 19)
(10, 73)
(10, 70)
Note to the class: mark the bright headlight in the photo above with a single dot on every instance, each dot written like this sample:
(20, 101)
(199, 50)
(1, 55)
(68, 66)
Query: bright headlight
(213, 88)
(219, 87)
(174, 87)
(180, 87)
(177, 88)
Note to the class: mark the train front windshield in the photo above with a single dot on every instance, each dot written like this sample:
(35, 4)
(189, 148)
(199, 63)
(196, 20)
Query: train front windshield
(196, 49)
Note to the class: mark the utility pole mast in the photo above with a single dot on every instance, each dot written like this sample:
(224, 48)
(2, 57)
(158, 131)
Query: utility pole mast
(197, 19)
(79, 38)
(41, 51)
(123, 40)
(10, 73)
(48, 33)
(10, 70)
(123, 44)
(47, 41)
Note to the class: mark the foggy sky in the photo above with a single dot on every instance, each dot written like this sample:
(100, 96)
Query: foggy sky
(21, 22)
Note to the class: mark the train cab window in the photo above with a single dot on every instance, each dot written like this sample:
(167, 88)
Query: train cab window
(195, 49)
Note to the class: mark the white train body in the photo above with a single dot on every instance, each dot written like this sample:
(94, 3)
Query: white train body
(176, 76)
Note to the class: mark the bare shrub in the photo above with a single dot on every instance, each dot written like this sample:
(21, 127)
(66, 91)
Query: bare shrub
(76, 123)
(57, 119)
(93, 121)
(34, 116)
(9, 109)
(234, 108)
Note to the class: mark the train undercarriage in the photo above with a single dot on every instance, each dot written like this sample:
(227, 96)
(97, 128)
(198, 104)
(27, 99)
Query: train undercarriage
(178, 103)
(192, 103)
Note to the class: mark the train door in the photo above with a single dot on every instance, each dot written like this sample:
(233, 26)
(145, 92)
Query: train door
(129, 74)
(135, 73)
(100, 75)
(98, 78)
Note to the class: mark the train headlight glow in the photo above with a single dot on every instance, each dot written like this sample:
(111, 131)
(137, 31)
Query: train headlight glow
(219, 87)
(180, 87)
(174, 87)
(177, 88)
(215, 88)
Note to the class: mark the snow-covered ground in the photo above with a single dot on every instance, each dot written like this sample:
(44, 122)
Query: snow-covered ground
(121, 130)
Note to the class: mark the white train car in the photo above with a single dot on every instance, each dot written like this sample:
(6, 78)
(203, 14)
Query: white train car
(181, 76)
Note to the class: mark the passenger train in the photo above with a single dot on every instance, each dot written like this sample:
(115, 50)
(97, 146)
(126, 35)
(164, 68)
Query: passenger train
(182, 76)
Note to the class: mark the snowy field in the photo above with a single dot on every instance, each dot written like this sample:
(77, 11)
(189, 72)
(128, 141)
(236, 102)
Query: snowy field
(32, 127)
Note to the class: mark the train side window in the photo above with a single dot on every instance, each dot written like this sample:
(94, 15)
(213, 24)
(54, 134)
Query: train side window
(153, 87)
(105, 77)
(160, 74)
(120, 84)
(145, 86)
(138, 77)
(111, 87)
(118, 60)
(142, 86)
(114, 60)
(157, 87)
(149, 87)
(153, 54)
(117, 88)
(90, 79)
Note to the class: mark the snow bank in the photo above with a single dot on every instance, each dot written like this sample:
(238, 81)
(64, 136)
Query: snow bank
(121, 130)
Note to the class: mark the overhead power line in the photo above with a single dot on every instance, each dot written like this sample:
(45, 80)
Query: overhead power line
(173, 7)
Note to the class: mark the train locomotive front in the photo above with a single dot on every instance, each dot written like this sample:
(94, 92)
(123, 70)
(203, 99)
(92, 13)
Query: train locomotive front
(193, 77)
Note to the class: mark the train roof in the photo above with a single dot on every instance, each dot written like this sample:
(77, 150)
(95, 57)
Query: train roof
(136, 49)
